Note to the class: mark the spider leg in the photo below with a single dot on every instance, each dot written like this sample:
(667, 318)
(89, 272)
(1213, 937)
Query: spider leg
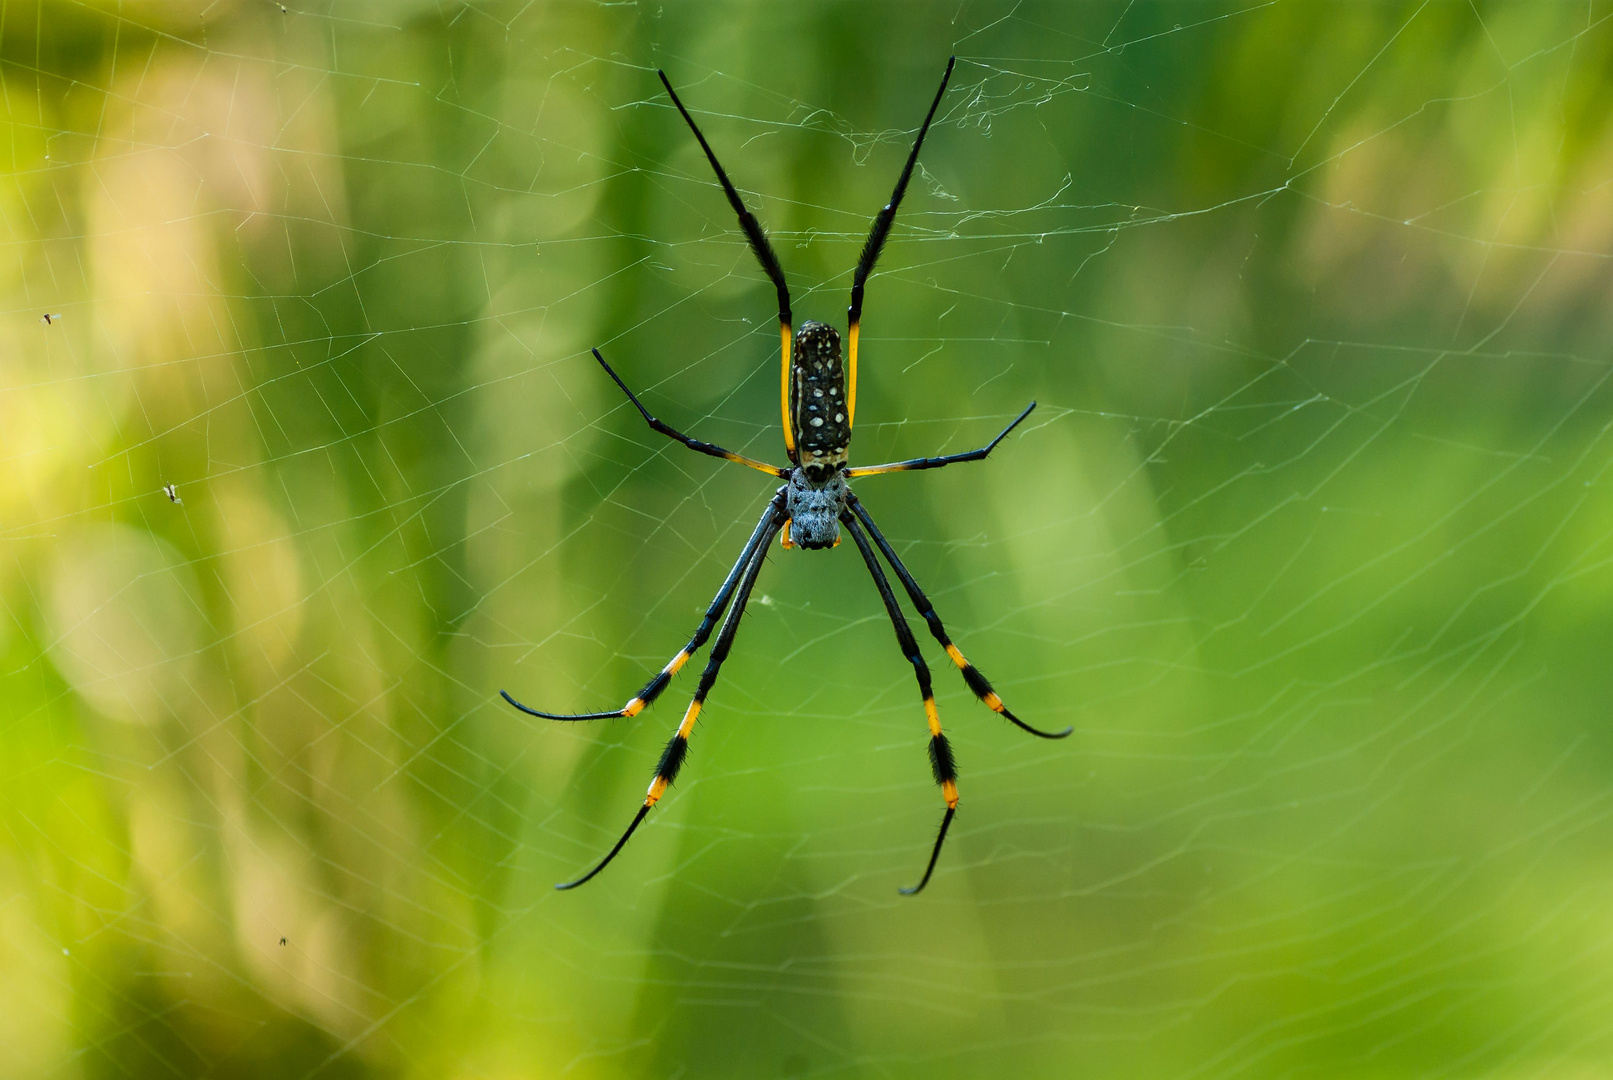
(936, 462)
(935, 853)
(694, 444)
(971, 674)
(653, 688)
(875, 243)
(763, 250)
(941, 763)
(677, 748)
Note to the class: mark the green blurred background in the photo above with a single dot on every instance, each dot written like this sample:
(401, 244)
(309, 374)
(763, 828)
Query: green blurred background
(1311, 540)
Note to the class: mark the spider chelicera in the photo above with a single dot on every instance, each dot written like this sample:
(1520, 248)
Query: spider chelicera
(817, 397)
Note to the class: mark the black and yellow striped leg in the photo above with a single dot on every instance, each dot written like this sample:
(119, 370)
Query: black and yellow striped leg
(941, 762)
(878, 233)
(971, 674)
(653, 688)
(694, 444)
(914, 464)
(677, 748)
(756, 236)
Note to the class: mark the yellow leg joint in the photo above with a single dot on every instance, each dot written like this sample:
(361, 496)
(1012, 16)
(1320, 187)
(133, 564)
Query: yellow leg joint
(689, 719)
(657, 789)
(957, 657)
(949, 791)
(933, 717)
(634, 707)
(851, 375)
(784, 388)
(784, 537)
(677, 662)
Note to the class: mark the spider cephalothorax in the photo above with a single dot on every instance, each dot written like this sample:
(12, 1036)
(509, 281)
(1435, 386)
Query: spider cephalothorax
(818, 397)
(815, 508)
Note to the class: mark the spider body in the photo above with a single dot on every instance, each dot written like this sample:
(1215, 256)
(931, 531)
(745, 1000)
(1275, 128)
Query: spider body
(818, 398)
(818, 402)
(816, 494)
(815, 509)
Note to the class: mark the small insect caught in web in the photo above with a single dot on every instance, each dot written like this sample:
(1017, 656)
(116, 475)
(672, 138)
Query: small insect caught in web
(282, 942)
(172, 492)
(50, 320)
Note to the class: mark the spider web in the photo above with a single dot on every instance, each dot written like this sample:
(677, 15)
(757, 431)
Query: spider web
(1308, 539)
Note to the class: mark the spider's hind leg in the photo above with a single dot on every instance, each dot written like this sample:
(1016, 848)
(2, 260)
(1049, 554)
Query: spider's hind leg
(673, 433)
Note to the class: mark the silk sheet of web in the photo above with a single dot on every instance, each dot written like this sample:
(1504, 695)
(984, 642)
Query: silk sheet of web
(1308, 539)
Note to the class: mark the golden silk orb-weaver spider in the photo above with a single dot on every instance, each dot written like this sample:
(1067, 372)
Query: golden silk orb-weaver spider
(818, 397)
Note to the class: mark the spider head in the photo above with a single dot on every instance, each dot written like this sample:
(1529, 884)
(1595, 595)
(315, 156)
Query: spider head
(818, 413)
(815, 509)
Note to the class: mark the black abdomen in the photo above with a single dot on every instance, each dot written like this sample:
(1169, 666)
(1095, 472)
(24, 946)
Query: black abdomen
(818, 400)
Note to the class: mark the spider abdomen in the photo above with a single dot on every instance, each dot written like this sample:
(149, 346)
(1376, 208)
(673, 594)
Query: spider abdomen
(814, 509)
(818, 408)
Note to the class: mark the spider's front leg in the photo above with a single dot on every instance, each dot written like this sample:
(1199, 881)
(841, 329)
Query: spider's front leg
(677, 748)
(941, 762)
(971, 674)
(653, 688)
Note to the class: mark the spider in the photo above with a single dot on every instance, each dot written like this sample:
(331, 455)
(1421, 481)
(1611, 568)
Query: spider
(818, 397)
